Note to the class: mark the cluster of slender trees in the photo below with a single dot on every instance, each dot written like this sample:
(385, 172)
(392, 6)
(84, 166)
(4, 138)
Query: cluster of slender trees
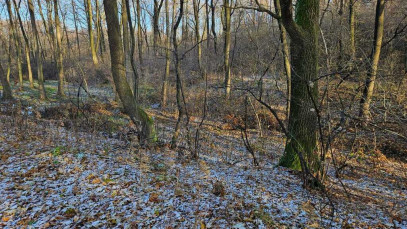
(128, 32)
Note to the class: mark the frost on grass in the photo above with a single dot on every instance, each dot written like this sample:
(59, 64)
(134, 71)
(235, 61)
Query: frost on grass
(54, 177)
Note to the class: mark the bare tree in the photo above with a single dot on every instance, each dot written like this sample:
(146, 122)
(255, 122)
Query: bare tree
(89, 16)
(226, 49)
(27, 45)
(136, 113)
(177, 76)
(17, 43)
(167, 56)
(59, 57)
(374, 62)
(38, 57)
(195, 4)
(156, 17)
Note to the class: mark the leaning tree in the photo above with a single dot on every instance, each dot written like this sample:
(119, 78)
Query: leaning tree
(136, 113)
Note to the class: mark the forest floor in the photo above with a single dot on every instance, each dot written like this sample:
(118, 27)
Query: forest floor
(60, 173)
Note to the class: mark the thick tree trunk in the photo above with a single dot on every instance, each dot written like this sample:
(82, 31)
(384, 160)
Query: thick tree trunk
(371, 76)
(136, 113)
(7, 93)
(38, 58)
(226, 49)
(60, 64)
(90, 31)
(302, 124)
(126, 46)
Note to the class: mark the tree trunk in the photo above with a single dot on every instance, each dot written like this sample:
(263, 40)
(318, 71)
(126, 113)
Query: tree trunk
(371, 76)
(197, 35)
(9, 55)
(302, 124)
(208, 29)
(156, 29)
(139, 38)
(38, 58)
(51, 30)
(177, 77)
(167, 56)
(352, 4)
(185, 28)
(60, 64)
(286, 54)
(48, 28)
(126, 44)
(213, 27)
(340, 37)
(76, 27)
(133, 47)
(16, 43)
(136, 113)
(98, 25)
(90, 31)
(26, 47)
(7, 94)
(226, 50)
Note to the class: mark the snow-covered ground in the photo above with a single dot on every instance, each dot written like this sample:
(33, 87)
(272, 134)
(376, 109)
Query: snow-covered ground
(54, 177)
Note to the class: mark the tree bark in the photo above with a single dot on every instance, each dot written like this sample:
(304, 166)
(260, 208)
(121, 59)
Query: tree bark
(213, 26)
(51, 29)
(38, 57)
(374, 59)
(59, 57)
(139, 38)
(226, 49)
(177, 77)
(26, 47)
(208, 29)
(90, 31)
(75, 20)
(167, 56)
(48, 28)
(156, 17)
(16, 43)
(7, 93)
(133, 47)
(352, 5)
(286, 54)
(302, 124)
(197, 35)
(126, 46)
(185, 27)
(136, 113)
